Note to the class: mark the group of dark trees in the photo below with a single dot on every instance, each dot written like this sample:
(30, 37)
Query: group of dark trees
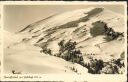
(114, 66)
(111, 34)
(94, 66)
(98, 66)
(69, 52)
(46, 51)
(101, 28)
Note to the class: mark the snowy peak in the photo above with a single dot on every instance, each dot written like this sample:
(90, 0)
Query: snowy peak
(68, 19)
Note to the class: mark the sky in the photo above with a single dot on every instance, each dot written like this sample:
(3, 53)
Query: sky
(17, 17)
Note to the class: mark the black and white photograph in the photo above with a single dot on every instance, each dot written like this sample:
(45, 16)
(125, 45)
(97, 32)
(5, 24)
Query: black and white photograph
(80, 39)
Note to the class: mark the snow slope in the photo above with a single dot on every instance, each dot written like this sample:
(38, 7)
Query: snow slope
(73, 25)
(24, 58)
(26, 62)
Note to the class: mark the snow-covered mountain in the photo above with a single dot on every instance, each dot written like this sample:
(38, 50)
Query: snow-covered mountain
(76, 26)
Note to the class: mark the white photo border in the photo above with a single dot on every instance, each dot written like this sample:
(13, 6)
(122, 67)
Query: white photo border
(65, 77)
